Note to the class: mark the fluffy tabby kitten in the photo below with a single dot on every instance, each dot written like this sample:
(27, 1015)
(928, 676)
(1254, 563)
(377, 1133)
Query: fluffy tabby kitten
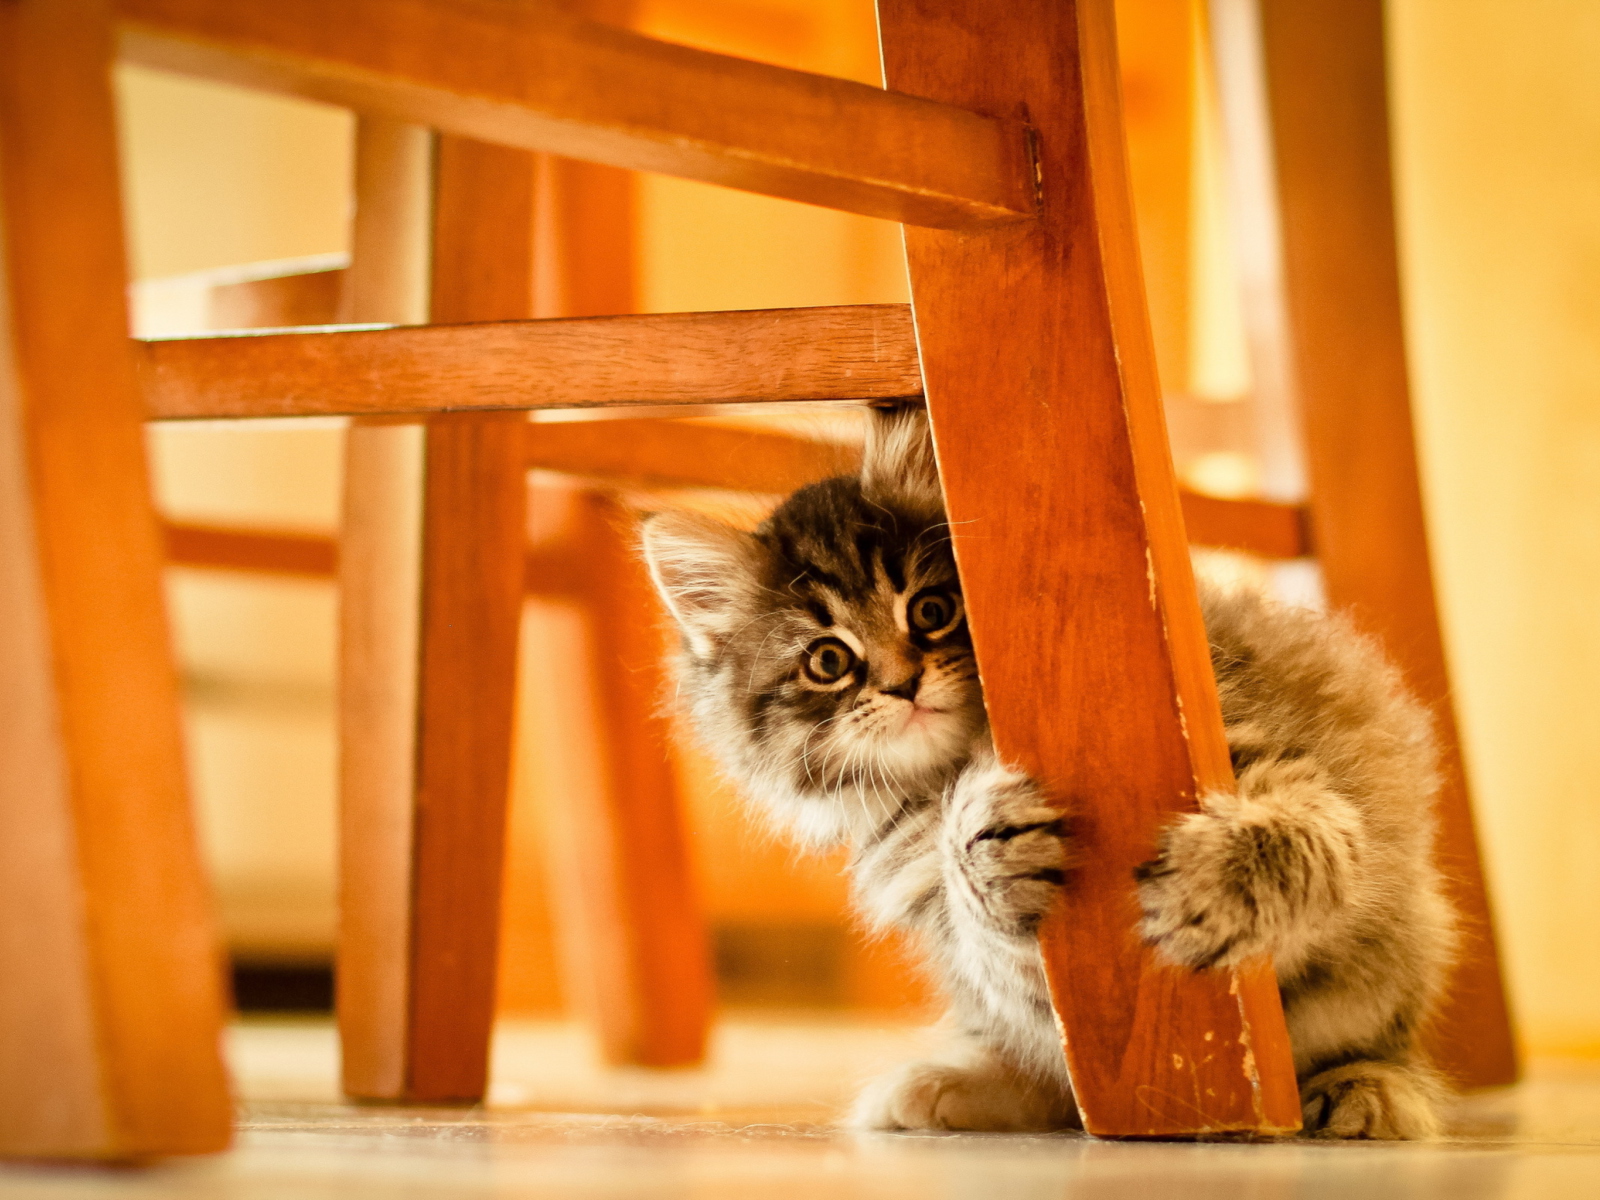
(826, 662)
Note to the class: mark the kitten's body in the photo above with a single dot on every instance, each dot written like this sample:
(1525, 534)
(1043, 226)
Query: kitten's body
(1322, 858)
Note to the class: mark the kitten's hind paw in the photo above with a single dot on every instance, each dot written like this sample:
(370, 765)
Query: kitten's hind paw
(1377, 1100)
(984, 1097)
(1008, 847)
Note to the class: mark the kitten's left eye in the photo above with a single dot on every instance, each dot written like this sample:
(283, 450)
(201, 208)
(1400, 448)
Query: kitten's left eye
(828, 660)
(933, 610)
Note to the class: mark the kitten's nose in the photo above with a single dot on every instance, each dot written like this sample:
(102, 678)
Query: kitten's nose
(906, 689)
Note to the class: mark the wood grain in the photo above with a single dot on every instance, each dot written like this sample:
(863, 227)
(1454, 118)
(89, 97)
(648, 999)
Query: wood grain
(536, 77)
(848, 353)
(1040, 380)
(1325, 78)
(110, 982)
(638, 918)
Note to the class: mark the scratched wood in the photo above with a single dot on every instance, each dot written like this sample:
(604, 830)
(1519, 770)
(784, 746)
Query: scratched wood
(1040, 380)
(539, 78)
(1329, 109)
(110, 978)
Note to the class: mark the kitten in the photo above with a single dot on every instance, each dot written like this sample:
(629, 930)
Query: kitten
(826, 662)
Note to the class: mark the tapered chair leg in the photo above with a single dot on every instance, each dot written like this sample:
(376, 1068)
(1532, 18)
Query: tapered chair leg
(631, 907)
(1040, 381)
(1341, 276)
(110, 981)
(431, 578)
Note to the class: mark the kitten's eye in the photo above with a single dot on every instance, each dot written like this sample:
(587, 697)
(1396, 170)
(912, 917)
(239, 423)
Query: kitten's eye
(933, 610)
(828, 660)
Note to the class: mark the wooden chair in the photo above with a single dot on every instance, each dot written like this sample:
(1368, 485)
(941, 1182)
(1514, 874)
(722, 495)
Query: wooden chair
(1001, 152)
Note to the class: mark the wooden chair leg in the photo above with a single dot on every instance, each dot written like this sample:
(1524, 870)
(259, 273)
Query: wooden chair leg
(1040, 380)
(432, 583)
(631, 904)
(110, 984)
(380, 578)
(1326, 91)
(648, 964)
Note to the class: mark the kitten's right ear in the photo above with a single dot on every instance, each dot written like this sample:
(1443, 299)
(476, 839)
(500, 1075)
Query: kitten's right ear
(897, 463)
(705, 572)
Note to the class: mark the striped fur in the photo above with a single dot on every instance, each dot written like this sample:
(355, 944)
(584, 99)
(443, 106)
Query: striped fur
(813, 669)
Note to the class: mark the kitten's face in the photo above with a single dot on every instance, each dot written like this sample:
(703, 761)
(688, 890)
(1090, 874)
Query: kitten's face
(827, 658)
(856, 662)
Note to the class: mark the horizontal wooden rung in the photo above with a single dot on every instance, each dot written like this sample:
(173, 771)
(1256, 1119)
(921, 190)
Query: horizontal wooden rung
(666, 454)
(313, 556)
(261, 551)
(676, 454)
(533, 76)
(849, 353)
(1259, 527)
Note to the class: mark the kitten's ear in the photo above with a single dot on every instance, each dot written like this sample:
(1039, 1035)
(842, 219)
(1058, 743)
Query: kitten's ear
(897, 466)
(704, 570)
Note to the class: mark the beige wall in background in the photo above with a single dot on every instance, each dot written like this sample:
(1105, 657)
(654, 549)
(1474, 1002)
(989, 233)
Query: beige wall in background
(1497, 122)
(221, 175)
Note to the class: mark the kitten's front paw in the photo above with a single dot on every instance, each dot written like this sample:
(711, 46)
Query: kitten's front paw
(1199, 905)
(1371, 1100)
(1009, 847)
(981, 1098)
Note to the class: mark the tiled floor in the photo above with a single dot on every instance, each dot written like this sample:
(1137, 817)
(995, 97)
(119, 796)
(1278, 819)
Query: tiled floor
(756, 1124)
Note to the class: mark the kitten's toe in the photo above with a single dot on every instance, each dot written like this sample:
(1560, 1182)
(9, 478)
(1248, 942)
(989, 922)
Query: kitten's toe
(1011, 846)
(978, 1099)
(1195, 913)
(1377, 1100)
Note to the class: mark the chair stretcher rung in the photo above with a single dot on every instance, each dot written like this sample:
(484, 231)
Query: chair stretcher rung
(669, 454)
(863, 353)
(850, 353)
(534, 77)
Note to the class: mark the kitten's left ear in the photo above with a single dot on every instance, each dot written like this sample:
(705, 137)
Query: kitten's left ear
(897, 464)
(704, 570)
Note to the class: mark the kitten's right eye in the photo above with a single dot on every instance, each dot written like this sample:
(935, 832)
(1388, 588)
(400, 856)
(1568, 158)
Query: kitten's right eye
(828, 660)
